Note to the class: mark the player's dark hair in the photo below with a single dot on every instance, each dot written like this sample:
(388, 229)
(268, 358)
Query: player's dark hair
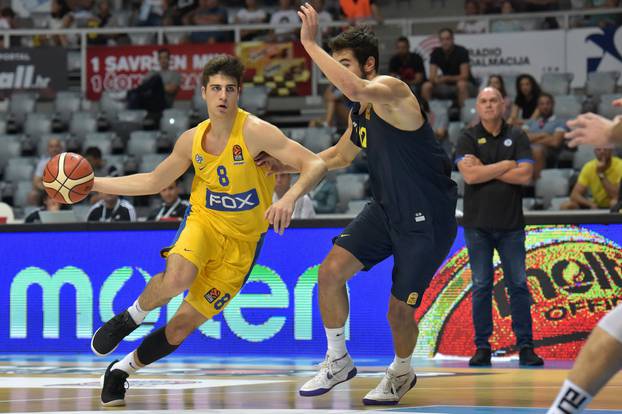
(361, 40)
(164, 50)
(226, 65)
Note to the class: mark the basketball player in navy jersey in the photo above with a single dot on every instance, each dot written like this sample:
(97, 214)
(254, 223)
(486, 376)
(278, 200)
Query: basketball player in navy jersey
(411, 216)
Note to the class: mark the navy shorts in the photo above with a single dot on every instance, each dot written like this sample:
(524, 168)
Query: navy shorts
(418, 248)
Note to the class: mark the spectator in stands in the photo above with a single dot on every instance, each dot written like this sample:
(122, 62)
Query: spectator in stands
(47, 204)
(360, 10)
(508, 25)
(177, 11)
(471, 24)
(158, 89)
(151, 13)
(100, 167)
(250, 14)
(60, 18)
(55, 147)
(111, 208)
(495, 159)
(102, 18)
(303, 209)
(601, 176)
(8, 21)
(541, 6)
(490, 6)
(337, 108)
(172, 207)
(209, 12)
(546, 134)
(603, 20)
(286, 14)
(325, 196)
(323, 16)
(496, 81)
(407, 66)
(526, 101)
(456, 81)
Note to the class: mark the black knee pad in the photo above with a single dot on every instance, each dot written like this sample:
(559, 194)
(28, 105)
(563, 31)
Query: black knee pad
(155, 346)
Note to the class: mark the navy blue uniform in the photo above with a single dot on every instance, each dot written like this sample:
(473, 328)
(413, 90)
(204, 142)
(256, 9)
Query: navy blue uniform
(412, 212)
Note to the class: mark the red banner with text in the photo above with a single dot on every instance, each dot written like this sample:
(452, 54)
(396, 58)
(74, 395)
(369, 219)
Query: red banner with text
(282, 67)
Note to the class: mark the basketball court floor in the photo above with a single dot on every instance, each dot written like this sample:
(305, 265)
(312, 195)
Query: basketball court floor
(231, 385)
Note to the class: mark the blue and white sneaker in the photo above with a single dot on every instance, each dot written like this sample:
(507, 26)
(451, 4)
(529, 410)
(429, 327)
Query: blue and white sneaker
(332, 372)
(391, 389)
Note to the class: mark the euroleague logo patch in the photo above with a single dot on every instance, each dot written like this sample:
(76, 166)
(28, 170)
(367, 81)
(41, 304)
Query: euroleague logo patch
(198, 158)
(238, 155)
(212, 295)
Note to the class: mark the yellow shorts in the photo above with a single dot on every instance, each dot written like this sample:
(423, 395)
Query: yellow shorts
(223, 263)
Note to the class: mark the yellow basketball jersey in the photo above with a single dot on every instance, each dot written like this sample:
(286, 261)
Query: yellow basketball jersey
(229, 189)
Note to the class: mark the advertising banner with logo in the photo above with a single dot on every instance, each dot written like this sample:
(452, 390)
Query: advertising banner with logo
(578, 51)
(594, 50)
(58, 288)
(283, 67)
(29, 69)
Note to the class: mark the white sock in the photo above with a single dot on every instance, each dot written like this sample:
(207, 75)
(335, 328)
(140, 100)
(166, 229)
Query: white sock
(127, 364)
(571, 400)
(137, 314)
(400, 366)
(336, 342)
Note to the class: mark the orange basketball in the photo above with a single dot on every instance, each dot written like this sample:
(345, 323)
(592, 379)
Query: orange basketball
(68, 178)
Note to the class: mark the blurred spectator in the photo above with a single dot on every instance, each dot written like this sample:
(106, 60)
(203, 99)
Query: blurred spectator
(209, 13)
(55, 147)
(490, 6)
(250, 14)
(325, 196)
(496, 81)
(406, 65)
(158, 89)
(177, 11)
(601, 176)
(602, 20)
(304, 206)
(47, 204)
(172, 207)
(541, 5)
(508, 25)
(472, 25)
(111, 208)
(151, 13)
(359, 10)
(456, 81)
(100, 167)
(7, 18)
(546, 134)
(286, 14)
(337, 108)
(60, 18)
(323, 17)
(102, 18)
(526, 102)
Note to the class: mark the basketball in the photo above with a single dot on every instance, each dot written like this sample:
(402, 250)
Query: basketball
(68, 178)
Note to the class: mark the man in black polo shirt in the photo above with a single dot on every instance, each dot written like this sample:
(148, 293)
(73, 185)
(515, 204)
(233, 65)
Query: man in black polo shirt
(495, 160)
(456, 80)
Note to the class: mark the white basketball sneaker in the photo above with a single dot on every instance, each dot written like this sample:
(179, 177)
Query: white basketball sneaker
(391, 389)
(332, 372)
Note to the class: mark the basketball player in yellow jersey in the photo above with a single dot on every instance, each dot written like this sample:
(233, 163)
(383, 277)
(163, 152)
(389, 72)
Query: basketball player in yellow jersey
(222, 232)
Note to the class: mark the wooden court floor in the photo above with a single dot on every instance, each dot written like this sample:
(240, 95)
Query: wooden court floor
(61, 385)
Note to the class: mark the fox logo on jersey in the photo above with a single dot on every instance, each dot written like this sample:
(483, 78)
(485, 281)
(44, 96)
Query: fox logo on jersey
(237, 153)
(232, 202)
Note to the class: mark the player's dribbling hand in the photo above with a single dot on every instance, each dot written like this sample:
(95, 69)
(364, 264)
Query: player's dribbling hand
(309, 28)
(590, 129)
(279, 214)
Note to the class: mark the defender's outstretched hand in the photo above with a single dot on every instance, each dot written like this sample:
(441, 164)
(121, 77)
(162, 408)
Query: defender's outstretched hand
(590, 129)
(309, 28)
